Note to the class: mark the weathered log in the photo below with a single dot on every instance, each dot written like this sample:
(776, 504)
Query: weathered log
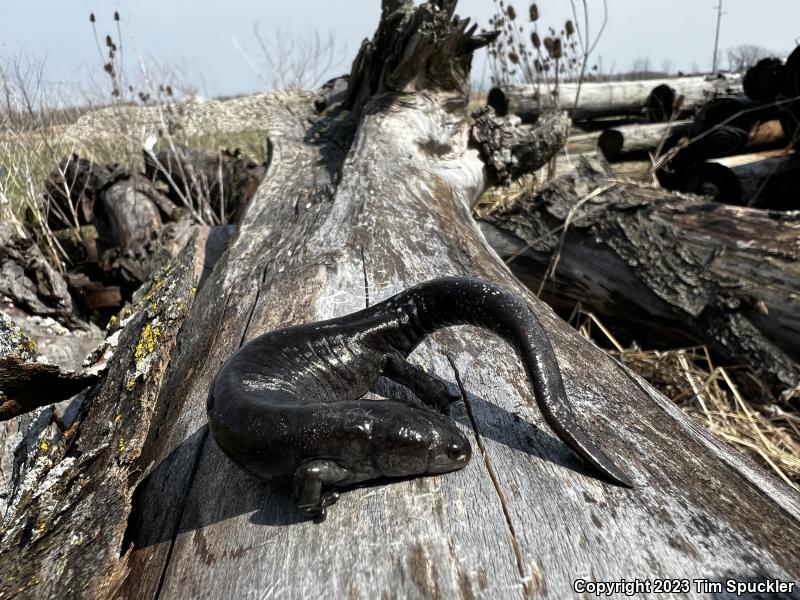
(71, 190)
(744, 180)
(763, 81)
(224, 182)
(733, 111)
(659, 269)
(26, 385)
(338, 223)
(331, 92)
(650, 97)
(130, 229)
(76, 486)
(13, 341)
(766, 135)
(619, 143)
(722, 127)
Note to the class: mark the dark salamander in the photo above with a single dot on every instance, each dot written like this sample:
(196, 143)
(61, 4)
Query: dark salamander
(289, 403)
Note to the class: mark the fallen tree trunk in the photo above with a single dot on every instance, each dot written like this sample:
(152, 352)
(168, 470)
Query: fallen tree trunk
(744, 180)
(619, 143)
(662, 270)
(650, 98)
(359, 203)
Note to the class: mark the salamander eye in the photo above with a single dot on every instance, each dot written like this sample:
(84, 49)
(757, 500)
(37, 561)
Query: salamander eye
(454, 450)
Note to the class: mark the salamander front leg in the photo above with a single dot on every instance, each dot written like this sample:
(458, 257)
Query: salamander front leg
(309, 479)
(431, 391)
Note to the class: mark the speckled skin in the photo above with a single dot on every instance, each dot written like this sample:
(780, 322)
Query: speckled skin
(289, 403)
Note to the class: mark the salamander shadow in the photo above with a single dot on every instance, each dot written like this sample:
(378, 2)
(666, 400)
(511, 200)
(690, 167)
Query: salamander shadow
(220, 491)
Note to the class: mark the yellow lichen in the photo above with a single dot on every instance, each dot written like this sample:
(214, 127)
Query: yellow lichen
(121, 445)
(44, 446)
(193, 290)
(147, 343)
(118, 418)
(131, 384)
(26, 344)
(42, 526)
(157, 284)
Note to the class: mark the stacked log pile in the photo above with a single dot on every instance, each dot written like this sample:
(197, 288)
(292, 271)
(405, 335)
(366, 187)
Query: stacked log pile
(686, 128)
(652, 99)
(725, 152)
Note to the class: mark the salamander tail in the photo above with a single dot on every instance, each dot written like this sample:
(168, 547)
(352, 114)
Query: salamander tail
(452, 301)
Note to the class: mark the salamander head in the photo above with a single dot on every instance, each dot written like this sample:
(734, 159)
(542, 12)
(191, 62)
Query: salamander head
(419, 441)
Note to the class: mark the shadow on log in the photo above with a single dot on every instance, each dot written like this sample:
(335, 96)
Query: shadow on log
(361, 202)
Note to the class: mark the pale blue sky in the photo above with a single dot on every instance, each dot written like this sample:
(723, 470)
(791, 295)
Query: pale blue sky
(199, 36)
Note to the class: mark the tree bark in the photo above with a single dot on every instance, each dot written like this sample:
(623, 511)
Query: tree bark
(663, 270)
(615, 98)
(358, 203)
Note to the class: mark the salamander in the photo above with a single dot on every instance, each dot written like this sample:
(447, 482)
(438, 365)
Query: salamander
(290, 402)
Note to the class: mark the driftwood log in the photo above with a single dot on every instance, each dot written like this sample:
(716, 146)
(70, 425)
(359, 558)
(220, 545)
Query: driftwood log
(360, 202)
(650, 98)
(71, 191)
(696, 273)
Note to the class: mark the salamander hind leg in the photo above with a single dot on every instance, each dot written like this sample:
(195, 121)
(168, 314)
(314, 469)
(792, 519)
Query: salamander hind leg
(309, 481)
(433, 392)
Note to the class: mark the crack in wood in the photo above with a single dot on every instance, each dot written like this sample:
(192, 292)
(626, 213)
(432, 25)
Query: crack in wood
(176, 528)
(366, 278)
(487, 461)
(199, 454)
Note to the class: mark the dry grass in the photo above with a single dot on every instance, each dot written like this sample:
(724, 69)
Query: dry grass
(688, 376)
(123, 113)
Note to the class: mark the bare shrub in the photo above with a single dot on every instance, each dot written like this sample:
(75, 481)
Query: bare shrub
(282, 61)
